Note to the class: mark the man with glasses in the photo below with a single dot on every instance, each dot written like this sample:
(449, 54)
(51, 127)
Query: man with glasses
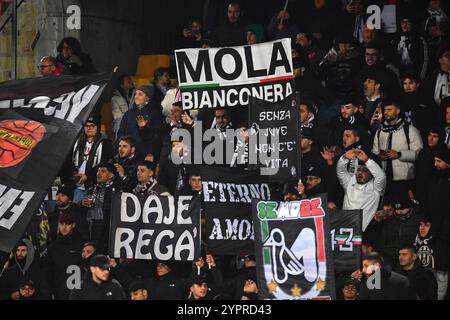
(99, 286)
(373, 63)
(91, 149)
(49, 66)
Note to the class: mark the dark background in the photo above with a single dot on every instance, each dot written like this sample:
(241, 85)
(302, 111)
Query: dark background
(116, 32)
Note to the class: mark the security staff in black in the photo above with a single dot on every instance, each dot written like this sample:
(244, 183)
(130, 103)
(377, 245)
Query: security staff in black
(97, 284)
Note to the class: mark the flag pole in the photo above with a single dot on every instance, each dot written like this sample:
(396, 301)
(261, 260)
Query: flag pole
(284, 11)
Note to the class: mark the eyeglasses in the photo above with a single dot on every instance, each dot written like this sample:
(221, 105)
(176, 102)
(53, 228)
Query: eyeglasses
(90, 126)
(41, 67)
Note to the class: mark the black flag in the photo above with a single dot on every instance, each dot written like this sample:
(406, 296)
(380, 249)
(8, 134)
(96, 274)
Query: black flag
(40, 120)
(277, 125)
(346, 237)
(227, 199)
(155, 228)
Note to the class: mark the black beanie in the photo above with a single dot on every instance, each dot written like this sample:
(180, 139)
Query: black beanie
(67, 190)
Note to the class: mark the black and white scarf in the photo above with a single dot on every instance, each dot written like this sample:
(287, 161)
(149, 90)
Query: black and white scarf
(348, 121)
(240, 156)
(391, 129)
(437, 15)
(442, 87)
(145, 189)
(97, 194)
(309, 123)
(447, 135)
(404, 48)
(386, 127)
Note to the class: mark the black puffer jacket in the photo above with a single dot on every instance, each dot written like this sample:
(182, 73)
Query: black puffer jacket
(90, 290)
(432, 250)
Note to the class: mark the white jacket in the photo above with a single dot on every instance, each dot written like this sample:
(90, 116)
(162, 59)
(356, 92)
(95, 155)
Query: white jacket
(362, 196)
(402, 168)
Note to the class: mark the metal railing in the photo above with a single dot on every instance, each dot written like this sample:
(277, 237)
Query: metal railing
(11, 15)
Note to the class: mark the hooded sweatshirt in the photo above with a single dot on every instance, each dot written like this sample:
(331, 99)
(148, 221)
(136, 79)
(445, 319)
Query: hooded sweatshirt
(9, 282)
(431, 251)
(90, 290)
(422, 281)
(62, 256)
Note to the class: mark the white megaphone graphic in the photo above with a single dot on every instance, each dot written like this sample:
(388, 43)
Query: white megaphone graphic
(287, 261)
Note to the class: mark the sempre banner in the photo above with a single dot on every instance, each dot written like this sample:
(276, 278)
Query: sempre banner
(155, 228)
(40, 119)
(293, 249)
(346, 239)
(229, 76)
(227, 203)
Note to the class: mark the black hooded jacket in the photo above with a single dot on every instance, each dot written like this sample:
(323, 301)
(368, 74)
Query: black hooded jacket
(418, 53)
(75, 69)
(390, 83)
(422, 281)
(357, 122)
(90, 290)
(234, 286)
(396, 232)
(393, 286)
(418, 113)
(30, 269)
(166, 287)
(62, 256)
(79, 216)
(432, 250)
(432, 187)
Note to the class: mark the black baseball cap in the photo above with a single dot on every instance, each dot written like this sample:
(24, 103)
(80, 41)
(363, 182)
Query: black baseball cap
(199, 279)
(100, 261)
(137, 285)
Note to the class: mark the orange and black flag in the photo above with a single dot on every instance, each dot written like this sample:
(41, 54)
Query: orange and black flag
(40, 120)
